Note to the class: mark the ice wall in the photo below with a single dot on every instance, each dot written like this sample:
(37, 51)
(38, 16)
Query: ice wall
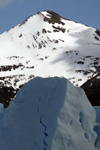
(48, 114)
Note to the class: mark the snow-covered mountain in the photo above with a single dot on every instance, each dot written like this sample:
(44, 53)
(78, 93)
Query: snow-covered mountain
(47, 45)
(49, 114)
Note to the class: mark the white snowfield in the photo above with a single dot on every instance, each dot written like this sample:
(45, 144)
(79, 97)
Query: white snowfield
(37, 47)
(49, 114)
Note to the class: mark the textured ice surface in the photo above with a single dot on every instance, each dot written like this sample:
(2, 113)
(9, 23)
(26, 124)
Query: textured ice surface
(48, 114)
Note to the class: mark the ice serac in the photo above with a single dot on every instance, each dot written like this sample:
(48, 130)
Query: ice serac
(48, 114)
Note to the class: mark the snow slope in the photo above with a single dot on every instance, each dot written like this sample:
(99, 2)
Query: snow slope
(49, 114)
(48, 45)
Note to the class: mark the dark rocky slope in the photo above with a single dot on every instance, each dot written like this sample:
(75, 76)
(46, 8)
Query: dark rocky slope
(92, 90)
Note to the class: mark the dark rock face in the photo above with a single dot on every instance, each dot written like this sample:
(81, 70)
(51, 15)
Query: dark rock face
(92, 90)
(9, 86)
(6, 95)
(97, 32)
(54, 18)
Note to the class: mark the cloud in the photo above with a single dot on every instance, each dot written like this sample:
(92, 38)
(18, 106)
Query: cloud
(3, 3)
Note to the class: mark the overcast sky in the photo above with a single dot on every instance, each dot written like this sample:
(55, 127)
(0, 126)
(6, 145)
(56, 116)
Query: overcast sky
(13, 12)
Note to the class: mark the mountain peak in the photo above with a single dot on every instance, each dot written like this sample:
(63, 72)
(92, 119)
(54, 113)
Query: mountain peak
(48, 45)
(49, 16)
(52, 17)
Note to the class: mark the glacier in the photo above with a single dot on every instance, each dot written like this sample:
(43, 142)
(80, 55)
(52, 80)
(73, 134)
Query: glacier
(49, 114)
